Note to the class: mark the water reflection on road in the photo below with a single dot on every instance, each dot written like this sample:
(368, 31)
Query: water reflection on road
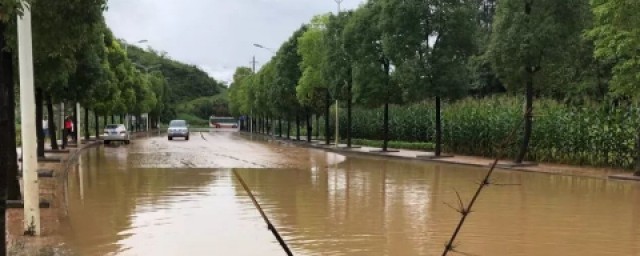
(144, 200)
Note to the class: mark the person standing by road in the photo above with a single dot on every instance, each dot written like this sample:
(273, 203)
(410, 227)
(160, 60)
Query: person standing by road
(45, 127)
(68, 130)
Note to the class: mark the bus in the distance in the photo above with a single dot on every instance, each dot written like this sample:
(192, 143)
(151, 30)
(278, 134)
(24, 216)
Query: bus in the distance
(223, 122)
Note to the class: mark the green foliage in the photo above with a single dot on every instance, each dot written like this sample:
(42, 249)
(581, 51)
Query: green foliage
(529, 36)
(194, 121)
(238, 102)
(66, 35)
(175, 85)
(597, 135)
(372, 66)
(312, 85)
(186, 82)
(205, 107)
(616, 35)
(430, 42)
(287, 73)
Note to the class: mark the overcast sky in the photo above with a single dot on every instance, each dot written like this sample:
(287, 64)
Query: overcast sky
(216, 35)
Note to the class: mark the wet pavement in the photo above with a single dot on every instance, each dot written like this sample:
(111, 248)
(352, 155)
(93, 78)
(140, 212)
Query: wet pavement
(160, 197)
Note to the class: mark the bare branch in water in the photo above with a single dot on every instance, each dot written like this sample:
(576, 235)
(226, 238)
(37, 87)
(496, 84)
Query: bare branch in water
(449, 247)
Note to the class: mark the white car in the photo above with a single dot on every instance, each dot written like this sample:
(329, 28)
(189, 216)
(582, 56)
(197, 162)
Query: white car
(116, 132)
(178, 128)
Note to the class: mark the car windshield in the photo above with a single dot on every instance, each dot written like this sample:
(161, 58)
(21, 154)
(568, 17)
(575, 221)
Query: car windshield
(178, 123)
(112, 126)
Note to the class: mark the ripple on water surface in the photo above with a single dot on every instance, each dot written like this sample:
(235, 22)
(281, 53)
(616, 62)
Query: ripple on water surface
(354, 206)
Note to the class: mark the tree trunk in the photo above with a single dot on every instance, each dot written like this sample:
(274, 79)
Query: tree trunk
(297, 126)
(438, 127)
(104, 121)
(113, 119)
(52, 123)
(288, 129)
(8, 155)
(280, 127)
(39, 118)
(122, 119)
(528, 120)
(86, 124)
(75, 123)
(327, 133)
(385, 140)
(96, 120)
(637, 169)
(317, 126)
(349, 99)
(309, 127)
(9, 184)
(385, 133)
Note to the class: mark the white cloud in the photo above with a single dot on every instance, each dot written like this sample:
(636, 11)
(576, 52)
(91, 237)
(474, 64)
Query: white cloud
(214, 34)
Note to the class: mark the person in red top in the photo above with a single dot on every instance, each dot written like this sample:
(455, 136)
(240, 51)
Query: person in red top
(68, 130)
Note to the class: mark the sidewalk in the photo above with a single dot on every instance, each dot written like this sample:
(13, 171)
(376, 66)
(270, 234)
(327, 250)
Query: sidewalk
(51, 187)
(549, 168)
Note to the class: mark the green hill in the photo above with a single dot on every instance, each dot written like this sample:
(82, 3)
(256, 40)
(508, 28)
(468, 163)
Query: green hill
(191, 93)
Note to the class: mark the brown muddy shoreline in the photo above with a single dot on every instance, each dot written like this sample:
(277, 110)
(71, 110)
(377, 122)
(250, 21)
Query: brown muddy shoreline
(52, 189)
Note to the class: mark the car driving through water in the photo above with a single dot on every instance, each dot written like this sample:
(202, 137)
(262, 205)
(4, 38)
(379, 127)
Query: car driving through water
(116, 132)
(178, 128)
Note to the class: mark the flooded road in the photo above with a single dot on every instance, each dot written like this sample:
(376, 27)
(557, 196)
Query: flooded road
(159, 197)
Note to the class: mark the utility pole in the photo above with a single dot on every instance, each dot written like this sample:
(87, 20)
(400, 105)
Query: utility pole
(339, 2)
(78, 123)
(337, 122)
(31, 194)
(62, 116)
(253, 69)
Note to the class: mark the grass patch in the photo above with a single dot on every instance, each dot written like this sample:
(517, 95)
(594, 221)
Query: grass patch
(425, 146)
(193, 121)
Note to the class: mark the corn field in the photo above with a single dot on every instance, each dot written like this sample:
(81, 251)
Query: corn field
(599, 135)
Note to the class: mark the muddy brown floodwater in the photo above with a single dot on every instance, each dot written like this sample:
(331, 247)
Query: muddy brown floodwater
(159, 197)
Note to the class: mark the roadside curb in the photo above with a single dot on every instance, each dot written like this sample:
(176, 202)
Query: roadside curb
(73, 155)
(628, 177)
(506, 167)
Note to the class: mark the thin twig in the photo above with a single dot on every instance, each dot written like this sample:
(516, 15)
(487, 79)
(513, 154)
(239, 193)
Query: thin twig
(485, 182)
(270, 226)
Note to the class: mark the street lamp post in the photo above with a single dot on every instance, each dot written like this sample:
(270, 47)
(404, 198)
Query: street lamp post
(254, 71)
(266, 48)
(339, 2)
(146, 71)
(126, 50)
(126, 44)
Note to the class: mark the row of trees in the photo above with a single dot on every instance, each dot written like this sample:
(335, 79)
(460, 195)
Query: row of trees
(193, 94)
(76, 59)
(404, 51)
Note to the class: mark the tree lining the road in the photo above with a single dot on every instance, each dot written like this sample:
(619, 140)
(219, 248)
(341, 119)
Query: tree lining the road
(78, 59)
(394, 54)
